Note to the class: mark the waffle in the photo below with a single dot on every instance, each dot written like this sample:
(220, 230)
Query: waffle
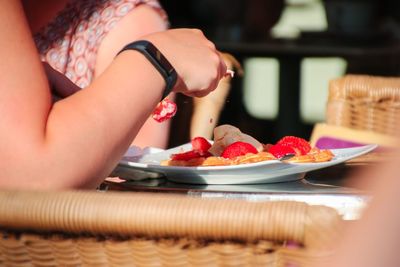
(315, 155)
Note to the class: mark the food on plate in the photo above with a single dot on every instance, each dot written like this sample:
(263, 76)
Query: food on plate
(226, 134)
(200, 147)
(300, 145)
(238, 149)
(232, 147)
(315, 155)
(279, 151)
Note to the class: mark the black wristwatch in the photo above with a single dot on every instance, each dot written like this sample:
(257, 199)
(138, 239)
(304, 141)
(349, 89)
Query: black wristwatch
(158, 60)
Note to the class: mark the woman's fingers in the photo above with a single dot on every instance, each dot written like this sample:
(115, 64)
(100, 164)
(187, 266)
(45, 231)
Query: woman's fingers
(198, 64)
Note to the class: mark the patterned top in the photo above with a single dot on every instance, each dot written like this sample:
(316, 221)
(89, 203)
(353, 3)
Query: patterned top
(70, 42)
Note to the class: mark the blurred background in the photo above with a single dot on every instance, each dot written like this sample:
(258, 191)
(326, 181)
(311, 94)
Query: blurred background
(290, 50)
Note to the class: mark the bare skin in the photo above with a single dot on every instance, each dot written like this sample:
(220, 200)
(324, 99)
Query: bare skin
(141, 21)
(374, 240)
(76, 142)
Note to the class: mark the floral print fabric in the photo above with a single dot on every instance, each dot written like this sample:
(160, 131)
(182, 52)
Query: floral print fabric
(70, 42)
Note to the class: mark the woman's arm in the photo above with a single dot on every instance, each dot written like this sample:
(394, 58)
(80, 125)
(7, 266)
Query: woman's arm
(140, 21)
(78, 141)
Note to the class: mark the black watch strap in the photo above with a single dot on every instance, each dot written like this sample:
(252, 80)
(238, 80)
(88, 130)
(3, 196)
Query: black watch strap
(158, 60)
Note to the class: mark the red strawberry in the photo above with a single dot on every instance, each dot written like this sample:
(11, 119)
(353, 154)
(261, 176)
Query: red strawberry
(238, 149)
(165, 110)
(280, 150)
(186, 155)
(201, 145)
(301, 146)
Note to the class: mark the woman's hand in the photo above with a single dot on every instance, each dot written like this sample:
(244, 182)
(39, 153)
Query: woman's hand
(196, 60)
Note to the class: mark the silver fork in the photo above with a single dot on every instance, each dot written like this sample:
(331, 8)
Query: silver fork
(286, 157)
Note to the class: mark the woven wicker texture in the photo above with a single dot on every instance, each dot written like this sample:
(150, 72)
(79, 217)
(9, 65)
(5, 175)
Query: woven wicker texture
(132, 229)
(365, 103)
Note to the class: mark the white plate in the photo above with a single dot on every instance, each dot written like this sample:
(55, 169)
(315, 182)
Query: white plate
(271, 171)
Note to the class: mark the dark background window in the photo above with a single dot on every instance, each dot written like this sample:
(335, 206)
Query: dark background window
(351, 23)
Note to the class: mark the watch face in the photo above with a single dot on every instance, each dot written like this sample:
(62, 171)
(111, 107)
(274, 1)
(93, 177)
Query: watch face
(160, 58)
(164, 64)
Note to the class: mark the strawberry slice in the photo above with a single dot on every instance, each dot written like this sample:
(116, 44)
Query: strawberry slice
(186, 155)
(200, 144)
(301, 146)
(165, 110)
(280, 150)
(238, 149)
(200, 147)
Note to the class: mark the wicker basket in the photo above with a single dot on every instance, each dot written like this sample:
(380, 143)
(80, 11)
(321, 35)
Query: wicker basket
(137, 229)
(365, 103)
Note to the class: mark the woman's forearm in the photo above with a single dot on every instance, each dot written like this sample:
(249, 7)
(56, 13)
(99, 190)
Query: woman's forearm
(86, 134)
